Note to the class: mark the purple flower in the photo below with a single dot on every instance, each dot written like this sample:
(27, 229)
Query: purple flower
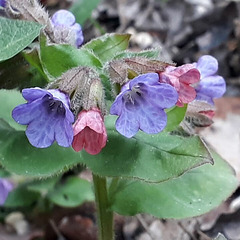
(64, 21)
(47, 115)
(5, 188)
(211, 85)
(3, 3)
(141, 104)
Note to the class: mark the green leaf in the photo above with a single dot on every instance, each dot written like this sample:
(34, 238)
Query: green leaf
(153, 158)
(151, 54)
(82, 9)
(107, 88)
(17, 155)
(4, 173)
(175, 116)
(57, 59)
(9, 100)
(72, 193)
(108, 45)
(16, 73)
(15, 35)
(33, 58)
(43, 186)
(21, 197)
(194, 193)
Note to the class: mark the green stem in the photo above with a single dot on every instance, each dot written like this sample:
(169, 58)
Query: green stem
(104, 216)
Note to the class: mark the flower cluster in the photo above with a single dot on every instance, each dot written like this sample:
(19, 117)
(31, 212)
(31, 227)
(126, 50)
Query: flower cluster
(66, 28)
(181, 78)
(140, 105)
(48, 118)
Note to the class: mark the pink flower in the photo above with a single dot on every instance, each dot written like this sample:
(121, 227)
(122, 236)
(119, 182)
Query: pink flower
(89, 132)
(181, 79)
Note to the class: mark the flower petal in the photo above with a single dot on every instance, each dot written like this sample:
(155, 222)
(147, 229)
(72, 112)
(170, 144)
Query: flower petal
(31, 94)
(5, 188)
(179, 71)
(192, 76)
(153, 121)
(3, 3)
(94, 141)
(187, 93)
(79, 34)
(207, 65)
(117, 105)
(205, 98)
(213, 86)
(127, 123)
(63, 133)
(63, 17)
(78, 141)
(95, 121)
(149, 79)
(25, 113)
(40, 132)
(161, 95)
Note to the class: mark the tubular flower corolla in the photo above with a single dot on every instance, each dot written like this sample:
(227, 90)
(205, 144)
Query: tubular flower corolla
(89, 132)
(211, 85)
(47, 115)
(141, 104)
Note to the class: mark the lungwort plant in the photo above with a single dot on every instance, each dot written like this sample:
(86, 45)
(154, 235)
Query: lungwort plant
(127, 116)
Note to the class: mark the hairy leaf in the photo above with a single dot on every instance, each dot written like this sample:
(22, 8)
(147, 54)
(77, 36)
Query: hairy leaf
(15, 35)
(194, 193)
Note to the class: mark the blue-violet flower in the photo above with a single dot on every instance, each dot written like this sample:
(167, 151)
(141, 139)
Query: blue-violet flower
(141, 104)
(47, 115)
(3, 3)
(65, 20)
(5, 188)
(211, 85)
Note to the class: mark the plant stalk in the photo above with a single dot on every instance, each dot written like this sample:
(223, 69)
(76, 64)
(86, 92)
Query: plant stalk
(104, 215)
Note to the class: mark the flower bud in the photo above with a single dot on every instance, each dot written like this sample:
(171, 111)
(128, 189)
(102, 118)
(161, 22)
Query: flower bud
(89, 132)
(84, 88)
(119, 69)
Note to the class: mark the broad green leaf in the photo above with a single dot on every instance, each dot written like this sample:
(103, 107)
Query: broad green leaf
(15, 35)
(21, 197)
(72, 193)
(9, 99)
(175, 116)
(151, 53)
(57, 59)
(194, 193)
(82, 9)
(17, 155)
(108, 45)
(153, 158)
